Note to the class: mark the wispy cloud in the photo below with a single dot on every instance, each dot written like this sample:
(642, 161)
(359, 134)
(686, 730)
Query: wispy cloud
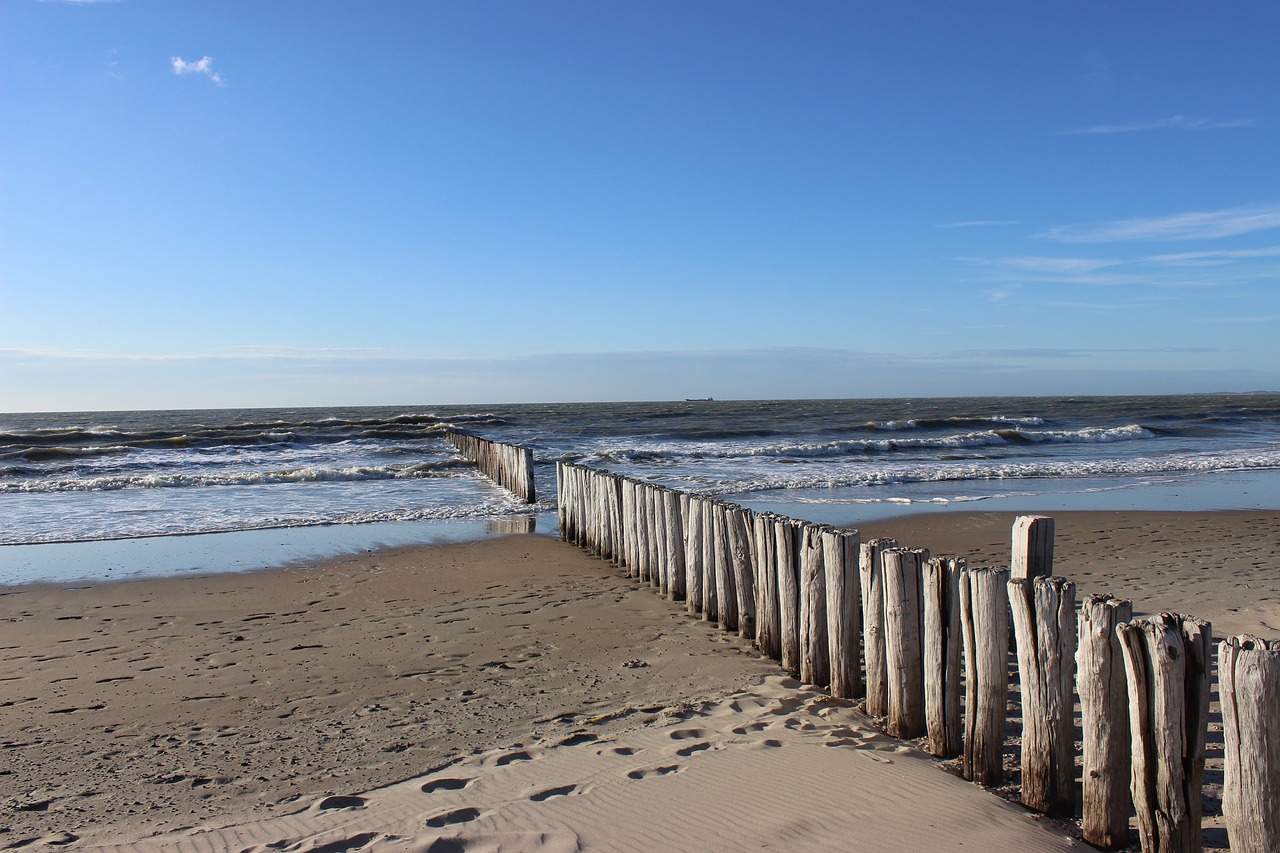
(1178, 122)
(1035, 263)
(1193, 225)
(976, 223)
(203, 65)
(1218, 258)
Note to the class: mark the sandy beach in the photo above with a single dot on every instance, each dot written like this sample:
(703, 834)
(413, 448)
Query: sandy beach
(514, 694)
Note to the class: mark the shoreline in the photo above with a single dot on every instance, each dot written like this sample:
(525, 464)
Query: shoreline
(235, 700)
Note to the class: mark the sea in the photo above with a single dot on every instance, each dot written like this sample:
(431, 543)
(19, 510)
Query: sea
(95, 495)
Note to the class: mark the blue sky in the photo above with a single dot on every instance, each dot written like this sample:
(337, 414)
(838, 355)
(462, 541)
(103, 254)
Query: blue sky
(258, 203)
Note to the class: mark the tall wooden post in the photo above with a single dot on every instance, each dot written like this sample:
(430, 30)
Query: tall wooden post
(1032, 555)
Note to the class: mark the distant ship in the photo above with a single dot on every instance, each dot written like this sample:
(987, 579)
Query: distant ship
(698, 400)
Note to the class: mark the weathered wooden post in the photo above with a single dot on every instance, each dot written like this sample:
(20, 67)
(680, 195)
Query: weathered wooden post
(675, 547)
(768, 626)
(693, 595)
(814, 663)
(903, 641)
(1032, 547)
(1249, 690)
(1104, 722)
(840, 550)
(870, 570)
(788, 594)
(738, 524)
(710, 592)
(726, 591)
(984, 614)
(942, 643)
(1044, 623)
(1166, 661)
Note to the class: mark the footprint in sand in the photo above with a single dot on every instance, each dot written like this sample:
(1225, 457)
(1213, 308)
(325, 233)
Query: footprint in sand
(684, 734)
(686, 751)
(560, 791)
(649, 772)
(456, 816)
(445, 785)
(340, 802)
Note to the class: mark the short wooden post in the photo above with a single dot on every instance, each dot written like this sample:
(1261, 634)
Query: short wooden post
(984, 614)
(1249, 689)
(942, 643)
(814, 662)
(1104, 722)
(1166, 671)
(844, 624)
(788, 594)
(903, 641)
(1044, 623)
(871, 575)
(1032, 547)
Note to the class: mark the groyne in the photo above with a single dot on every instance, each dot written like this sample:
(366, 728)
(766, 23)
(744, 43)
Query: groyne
(508, 465)
(924, 641)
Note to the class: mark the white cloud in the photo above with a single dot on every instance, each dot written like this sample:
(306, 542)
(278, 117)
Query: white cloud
(203, 65)
(1193, 225)
(1178, 122)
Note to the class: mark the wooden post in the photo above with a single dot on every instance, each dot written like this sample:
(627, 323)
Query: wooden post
(693, 595)
(814, 662)
(1249, 689)
(1032, 547)
(710, 593)
(1044, 623)
(788, 594)
(844, 624)
(726, 590)
(768, 626)
(1166, 671)
(984, 614)
(1104, 722)
(942, 642)
(675, 545)
(871, 573)
(903, 642)
(738, 524)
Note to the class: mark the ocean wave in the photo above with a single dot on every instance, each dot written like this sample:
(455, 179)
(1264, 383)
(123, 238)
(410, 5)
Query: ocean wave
(866, 446)
(1189, 463)
(303, 474)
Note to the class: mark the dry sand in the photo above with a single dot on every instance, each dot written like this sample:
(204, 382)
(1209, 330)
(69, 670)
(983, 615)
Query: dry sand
(533, 698)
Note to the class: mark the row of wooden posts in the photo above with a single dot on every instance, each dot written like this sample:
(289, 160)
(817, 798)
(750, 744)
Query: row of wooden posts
(508, 465)
(877, 621)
